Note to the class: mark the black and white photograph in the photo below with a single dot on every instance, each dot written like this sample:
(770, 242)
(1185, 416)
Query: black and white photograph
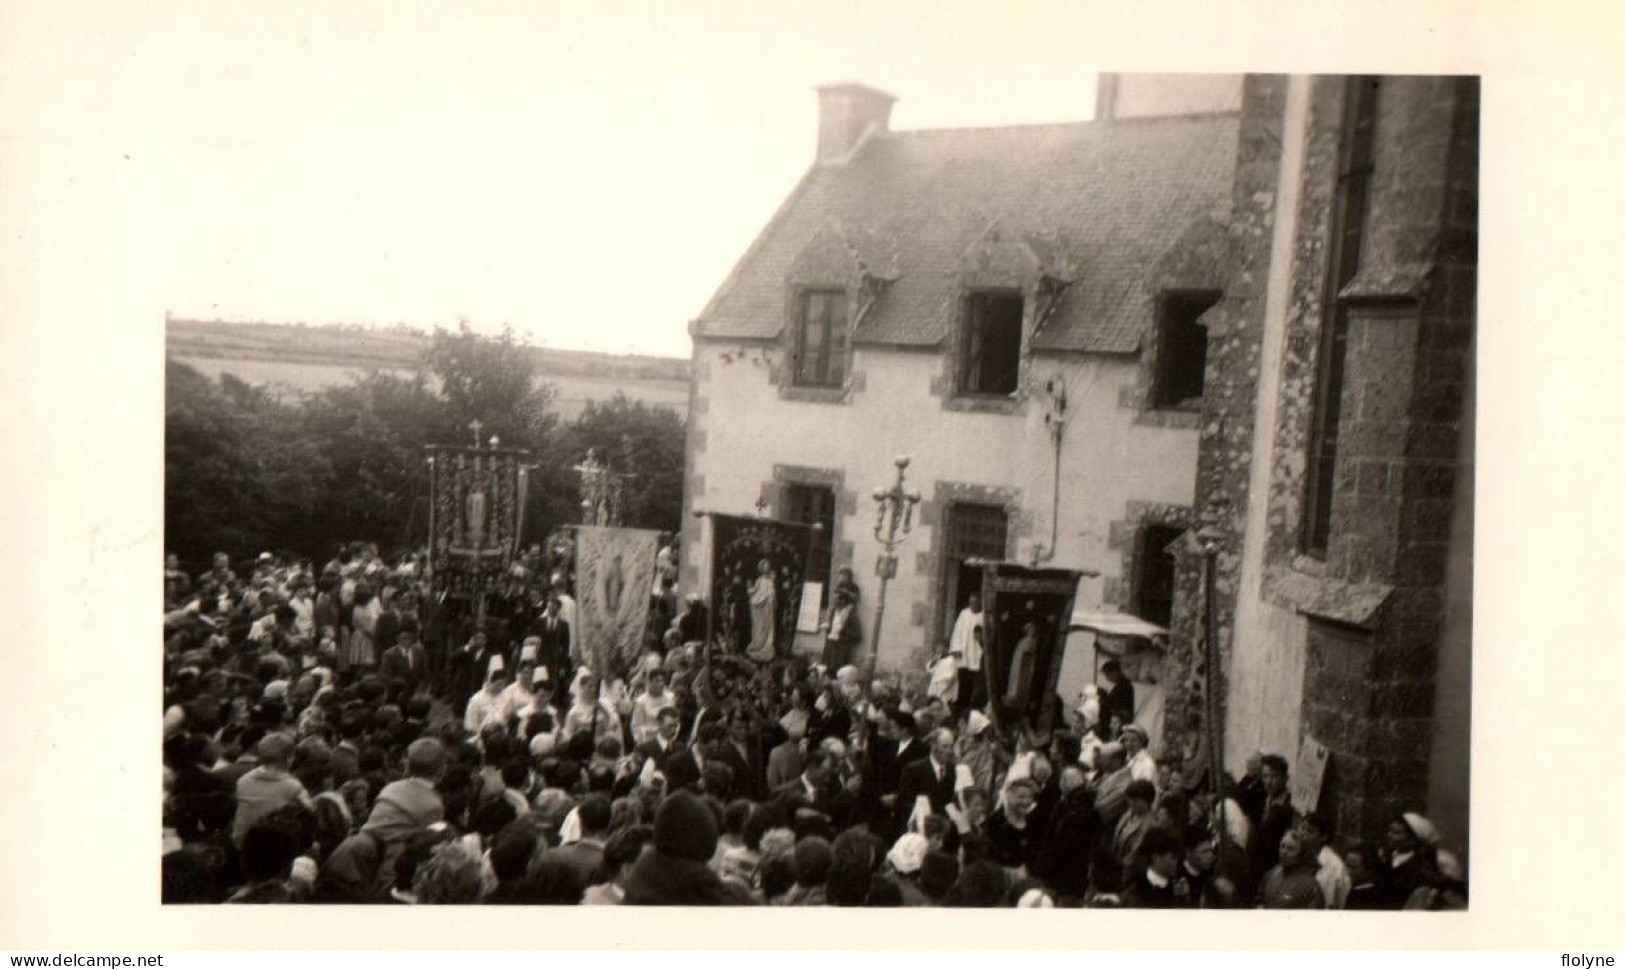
(1068, 514)
(805, 457)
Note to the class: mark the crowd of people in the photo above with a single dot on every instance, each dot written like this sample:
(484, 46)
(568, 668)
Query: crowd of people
(342, 735)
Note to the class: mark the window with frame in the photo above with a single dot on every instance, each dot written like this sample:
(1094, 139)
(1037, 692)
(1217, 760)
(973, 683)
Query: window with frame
(1181, 364)
(815, 505)
(820, 338)
(990, 357)
(1154, 567)
(1355, 168)
(974, 532)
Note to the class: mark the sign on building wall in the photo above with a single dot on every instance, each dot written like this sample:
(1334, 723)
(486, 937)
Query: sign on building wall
(1308, 774)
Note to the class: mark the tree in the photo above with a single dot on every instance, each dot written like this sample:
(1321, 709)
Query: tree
(492, 380)
(638, 440)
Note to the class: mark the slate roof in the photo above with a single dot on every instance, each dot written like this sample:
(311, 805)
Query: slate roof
(1120, 192)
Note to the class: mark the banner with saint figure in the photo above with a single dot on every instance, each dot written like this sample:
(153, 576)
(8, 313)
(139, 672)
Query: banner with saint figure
(757, 566)
(476, 515)
(614, 570)
(1025, 616)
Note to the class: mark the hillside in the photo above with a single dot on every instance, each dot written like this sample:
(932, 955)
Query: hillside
(301, 358)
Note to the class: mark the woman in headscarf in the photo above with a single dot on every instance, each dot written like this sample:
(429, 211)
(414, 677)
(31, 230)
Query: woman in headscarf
(590, 714)
(1412, 840)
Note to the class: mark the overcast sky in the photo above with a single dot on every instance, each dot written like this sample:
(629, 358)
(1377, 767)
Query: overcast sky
(587, 172)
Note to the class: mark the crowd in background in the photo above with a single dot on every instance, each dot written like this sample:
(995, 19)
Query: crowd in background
(340, 734)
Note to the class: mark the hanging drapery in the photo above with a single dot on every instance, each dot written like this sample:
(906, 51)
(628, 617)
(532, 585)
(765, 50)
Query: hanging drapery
(756, 569)
(614, 570)
(476, 515)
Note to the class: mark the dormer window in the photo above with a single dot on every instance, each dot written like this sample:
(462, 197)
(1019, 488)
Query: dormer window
(820, 352)
(1181, 361)
(990, 361)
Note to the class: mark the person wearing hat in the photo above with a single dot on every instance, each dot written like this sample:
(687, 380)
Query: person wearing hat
(1141, 765)
(675, 868)
(1412, 841)
(485, 707)
(903, 863)
(1013, 838)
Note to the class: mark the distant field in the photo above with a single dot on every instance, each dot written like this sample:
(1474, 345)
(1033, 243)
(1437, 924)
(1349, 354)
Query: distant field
(573, 391)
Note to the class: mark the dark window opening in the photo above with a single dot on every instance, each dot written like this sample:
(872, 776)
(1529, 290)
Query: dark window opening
(1355, 165)
(992, 346)
(821, 338)
(1154, 573)
(974, 532)
(1181, 349)
(815, 505)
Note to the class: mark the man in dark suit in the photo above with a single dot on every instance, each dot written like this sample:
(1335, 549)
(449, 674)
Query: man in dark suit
(819, 789)
(736, 750)
(893, 749)
(931, 776)
(406, 662)
(555, 651)
(666, 741)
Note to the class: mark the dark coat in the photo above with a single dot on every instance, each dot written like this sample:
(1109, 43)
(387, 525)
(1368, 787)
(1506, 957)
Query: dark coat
(661, 879)
(1069, 844)
(405, 665)
(1142, 894)
(919, 777)
(1265, 849)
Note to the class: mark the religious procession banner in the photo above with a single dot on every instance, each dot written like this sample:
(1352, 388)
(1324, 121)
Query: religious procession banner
(614, 570)
(756, 567)
(476, 515)
(1026, 612)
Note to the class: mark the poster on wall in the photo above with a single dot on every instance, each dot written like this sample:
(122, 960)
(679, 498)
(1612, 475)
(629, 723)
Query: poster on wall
(476, 515)
(757, 567)
(1308, 774)
(614, 569)
(1026, 615)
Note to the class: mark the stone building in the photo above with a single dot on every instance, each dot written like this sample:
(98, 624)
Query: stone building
(1334, 467)
(1018, 309)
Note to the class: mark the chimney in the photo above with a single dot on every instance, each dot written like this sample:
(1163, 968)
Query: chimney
(1105, 96)
(847, 113)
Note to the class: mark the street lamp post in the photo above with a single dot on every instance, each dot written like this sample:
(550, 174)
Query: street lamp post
(894, 518)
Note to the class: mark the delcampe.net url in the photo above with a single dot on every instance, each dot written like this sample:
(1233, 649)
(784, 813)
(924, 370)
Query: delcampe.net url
(61, 961)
